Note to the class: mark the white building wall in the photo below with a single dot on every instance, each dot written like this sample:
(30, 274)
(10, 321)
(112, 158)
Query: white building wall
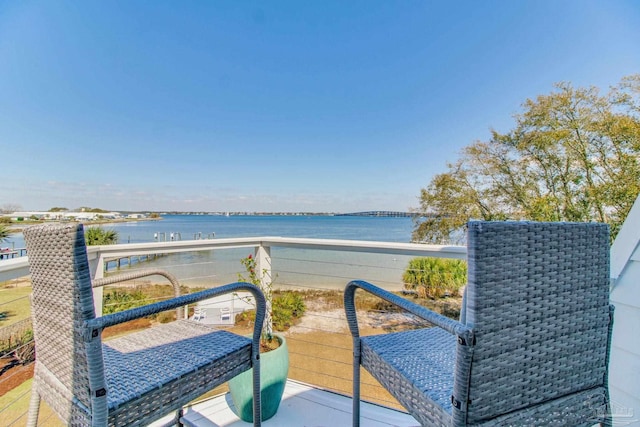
(624, 367)
(65, 214)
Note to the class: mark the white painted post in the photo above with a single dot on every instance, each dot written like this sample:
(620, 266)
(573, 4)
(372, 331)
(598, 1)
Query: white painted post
(96, 266)
(263, 265)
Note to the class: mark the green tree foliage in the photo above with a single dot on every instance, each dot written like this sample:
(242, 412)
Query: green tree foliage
(118, 300)
(287, 308)
(283, 308)
(435, 277)
(266, 286)
(13, 337)
(99, 236)
(25, 353)
(574, 155)
(5, 232)
(88, 209)
(58, 209)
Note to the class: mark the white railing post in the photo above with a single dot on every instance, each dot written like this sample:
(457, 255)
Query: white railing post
(97, 272)
(263, 265)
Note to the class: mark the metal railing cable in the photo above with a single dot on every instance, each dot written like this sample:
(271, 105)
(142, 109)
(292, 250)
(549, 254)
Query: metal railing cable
(14, 300)
(9, 356)
(320, 262)
(14, 401)
(17, 419)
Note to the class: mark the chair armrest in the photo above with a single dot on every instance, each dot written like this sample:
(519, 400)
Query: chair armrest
(449, 325)
(93, 326)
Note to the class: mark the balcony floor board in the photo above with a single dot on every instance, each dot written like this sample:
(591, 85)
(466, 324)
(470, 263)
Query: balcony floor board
(302, 405)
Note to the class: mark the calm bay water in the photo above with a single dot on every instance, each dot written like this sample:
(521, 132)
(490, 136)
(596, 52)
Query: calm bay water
(189, 227)
(293, 267)
(327, 227)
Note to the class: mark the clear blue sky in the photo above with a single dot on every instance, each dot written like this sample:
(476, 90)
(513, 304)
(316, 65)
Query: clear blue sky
(277, 106)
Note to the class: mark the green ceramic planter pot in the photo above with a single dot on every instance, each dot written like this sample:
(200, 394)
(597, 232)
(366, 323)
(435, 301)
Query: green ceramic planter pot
(274, 367)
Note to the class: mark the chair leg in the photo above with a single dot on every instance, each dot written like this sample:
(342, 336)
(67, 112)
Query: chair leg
(356, 397)
(257, 394)
(34, 409)
(356, 384)
(608, 422)
(608, 415)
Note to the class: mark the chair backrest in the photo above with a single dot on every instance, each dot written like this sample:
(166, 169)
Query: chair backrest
(538, 302)
(62, 299)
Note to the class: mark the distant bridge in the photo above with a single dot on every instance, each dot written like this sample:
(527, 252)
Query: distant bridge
(395, 214)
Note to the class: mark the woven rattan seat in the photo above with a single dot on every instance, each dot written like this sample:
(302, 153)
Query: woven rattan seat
(135, 379)
(533, 348)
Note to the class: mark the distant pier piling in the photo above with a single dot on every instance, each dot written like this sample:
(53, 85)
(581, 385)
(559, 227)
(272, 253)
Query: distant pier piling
(160, 236)
(128, 261)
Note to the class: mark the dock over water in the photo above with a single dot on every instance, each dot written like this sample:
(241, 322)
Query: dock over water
(7, 253)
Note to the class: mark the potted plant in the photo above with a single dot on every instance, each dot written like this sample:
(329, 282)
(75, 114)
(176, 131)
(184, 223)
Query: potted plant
(274, 358)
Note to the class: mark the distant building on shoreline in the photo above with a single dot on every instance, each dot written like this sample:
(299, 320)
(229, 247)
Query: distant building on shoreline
(69, 216)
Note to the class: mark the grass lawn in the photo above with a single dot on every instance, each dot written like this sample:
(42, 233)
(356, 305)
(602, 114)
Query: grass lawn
(14, 304)
(16, 413)
(20, 395)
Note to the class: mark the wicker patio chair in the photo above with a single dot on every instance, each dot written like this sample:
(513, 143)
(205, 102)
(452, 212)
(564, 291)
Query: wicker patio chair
(132, 380)
(534, 348)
